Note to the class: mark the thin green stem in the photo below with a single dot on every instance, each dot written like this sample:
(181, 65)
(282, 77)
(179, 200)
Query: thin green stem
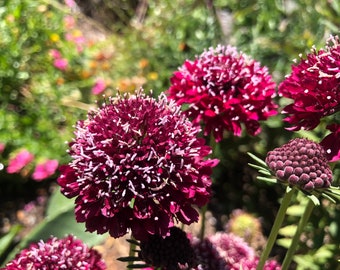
(203, 219)
(132, 251)
(276, 226)
(303, 221)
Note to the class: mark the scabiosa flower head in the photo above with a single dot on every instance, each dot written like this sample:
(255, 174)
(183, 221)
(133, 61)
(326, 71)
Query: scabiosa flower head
(227, 251)
(225, 89)
(19, 161)
(331, 143)
(314, 86)
(137, 164)
(301, 163)
(173, 252)
(67, 253)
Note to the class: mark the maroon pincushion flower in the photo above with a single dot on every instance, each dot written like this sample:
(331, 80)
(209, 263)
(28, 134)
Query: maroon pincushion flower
(173, 252)
(314, 87)
(301, 163)
(137, 164)
(224, 89)
(331, 143)
(67, 253)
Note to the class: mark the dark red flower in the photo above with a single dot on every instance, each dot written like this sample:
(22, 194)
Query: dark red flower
(314, 86)
(224, 89)
(301, 163)
(173, 252)
(331, 143)
(67, 253)
(137, 164)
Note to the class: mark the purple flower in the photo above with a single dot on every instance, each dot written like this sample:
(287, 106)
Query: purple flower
(67, 253)
(224, 89)
(301, 163)
(45, 169)
(137, 164)
(313, 86)
(19, 161)
(227, 251)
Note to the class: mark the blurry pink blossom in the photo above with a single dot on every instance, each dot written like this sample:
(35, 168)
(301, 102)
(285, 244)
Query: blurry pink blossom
(77, 38)
(98, 87)
(45, 169)
(69, 22)
(70, 3)
(61, 63)
(55, 54)
(2, 147)
(19, 161)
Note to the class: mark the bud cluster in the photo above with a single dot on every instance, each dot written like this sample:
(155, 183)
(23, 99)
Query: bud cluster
(302, 163)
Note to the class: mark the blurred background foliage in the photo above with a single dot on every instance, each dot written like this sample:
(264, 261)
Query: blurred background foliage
(133, 43)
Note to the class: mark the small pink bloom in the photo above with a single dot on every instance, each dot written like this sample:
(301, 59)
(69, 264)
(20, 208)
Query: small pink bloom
(19, 161)
(98, 87)
(70, 3)
(331, 143)
(61, 64)
(2, 147)
(55, 54)
(45, 169)
(69, 22)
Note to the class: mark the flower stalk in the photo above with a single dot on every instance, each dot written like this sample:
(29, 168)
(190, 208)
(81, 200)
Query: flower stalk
(303, 221)
(276, 226)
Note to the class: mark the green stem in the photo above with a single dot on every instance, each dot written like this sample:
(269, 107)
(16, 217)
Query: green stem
(276, 226)
(303, 221)
(203, 219)
(132, 251)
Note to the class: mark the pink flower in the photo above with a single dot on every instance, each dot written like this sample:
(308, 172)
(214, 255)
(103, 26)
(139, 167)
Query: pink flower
(137, 164)
(2, 147)
(55, 54)
(45, 169)
(19, 161)
(70, 3)
(224, 89)
(67, 253)
(313, 86)
(61, 63)
(69, 22)
(227, 251)
(331, 143)
(99, 86)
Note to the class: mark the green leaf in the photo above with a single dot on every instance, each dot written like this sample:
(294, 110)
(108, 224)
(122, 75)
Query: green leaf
(284, 242)
(128, 259)
(137, 266)
(6, 240)
(288, 231)
(258, 160)
(270, 180)
(314, 199)
(295, 210)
